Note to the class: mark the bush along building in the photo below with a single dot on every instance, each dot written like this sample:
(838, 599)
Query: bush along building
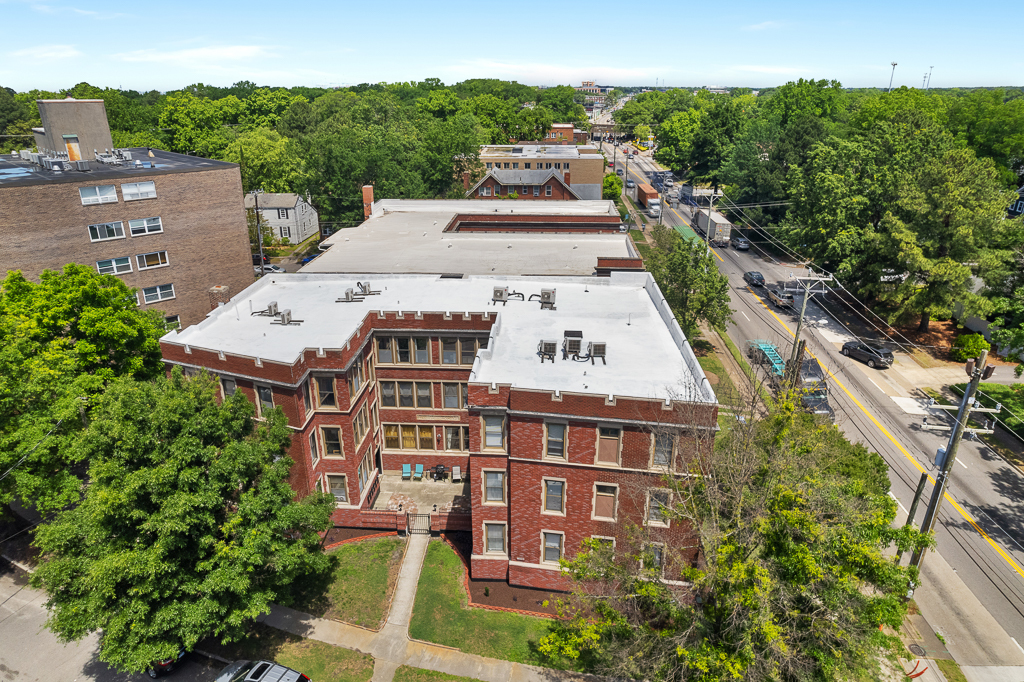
(170, 225)
(565, 403)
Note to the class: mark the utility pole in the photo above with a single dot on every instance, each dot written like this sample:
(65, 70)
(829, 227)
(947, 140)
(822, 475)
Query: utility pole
(913, 508)
(891, 75)
(944, 459)
(807, 282)
(928, 87)
(259, 232)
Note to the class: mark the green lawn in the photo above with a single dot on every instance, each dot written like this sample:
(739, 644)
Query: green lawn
(407, 674)
(440, 615)
(725, 389)
(364, 578)
(644, 249)
(321, 662)
(638, 236)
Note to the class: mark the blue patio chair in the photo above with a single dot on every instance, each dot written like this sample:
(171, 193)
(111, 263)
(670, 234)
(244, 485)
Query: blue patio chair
(419, 473)
(406, 471)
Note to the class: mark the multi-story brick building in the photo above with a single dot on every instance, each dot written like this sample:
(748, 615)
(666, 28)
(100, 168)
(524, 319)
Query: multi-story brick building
(565, 402)
(585, 162)
(549, 185)
(170, 225)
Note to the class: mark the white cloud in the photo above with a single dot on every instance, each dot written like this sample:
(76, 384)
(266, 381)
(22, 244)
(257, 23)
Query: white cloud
(197, 56)
(47, 53)
(763, 26)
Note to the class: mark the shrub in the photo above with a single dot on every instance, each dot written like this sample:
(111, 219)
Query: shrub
(968, 346)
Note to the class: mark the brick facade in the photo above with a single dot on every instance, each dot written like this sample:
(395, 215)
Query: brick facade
(521, 460)
(490, 188)
(204, 236)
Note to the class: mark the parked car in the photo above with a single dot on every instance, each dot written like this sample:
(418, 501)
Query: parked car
(158, 668)
(267, 269)
(781, 298)
(740, 243)
(869, 353)
(309, 258)
(256, 259)
(753, 278)
(618, 171)
(630, 184)
(259, 671)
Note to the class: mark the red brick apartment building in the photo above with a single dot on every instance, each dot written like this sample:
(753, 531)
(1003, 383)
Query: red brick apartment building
(171, 226)
(565, 402)
(549, 185)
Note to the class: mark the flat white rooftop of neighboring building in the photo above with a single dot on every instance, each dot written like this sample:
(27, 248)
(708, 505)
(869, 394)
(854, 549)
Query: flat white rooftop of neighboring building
(647, 354)
(404, 236)
(561, 151)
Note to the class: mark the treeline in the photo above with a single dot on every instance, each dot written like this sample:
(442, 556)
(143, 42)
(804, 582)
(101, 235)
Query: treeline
(410, 140)
(903, 195)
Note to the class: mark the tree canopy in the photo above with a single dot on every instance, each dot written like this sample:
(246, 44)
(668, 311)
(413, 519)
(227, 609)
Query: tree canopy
(188, 527)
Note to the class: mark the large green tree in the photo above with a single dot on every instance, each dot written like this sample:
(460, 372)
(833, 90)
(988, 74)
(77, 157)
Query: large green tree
(188, 528)
(792, 521)
(687, 274)
(267, 160)
(61, 341)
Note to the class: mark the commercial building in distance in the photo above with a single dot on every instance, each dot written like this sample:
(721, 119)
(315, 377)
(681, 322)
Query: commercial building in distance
(562, 402)
(584, 162)
(170, 225)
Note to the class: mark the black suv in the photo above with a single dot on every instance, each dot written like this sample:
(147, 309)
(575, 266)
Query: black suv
(754, 279)
(256, 259)
(259, 671)
(874, 356)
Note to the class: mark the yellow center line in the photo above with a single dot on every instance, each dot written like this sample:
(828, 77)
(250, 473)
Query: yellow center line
(963, 512)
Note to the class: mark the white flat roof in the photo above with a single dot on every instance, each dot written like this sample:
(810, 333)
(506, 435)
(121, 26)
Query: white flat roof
(647, 354)
(404, 236)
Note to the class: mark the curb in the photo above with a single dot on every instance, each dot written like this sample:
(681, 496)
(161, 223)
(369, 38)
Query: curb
(24, 567)
(212, 657)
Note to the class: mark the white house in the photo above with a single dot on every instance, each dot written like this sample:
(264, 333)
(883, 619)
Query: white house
(288, 215)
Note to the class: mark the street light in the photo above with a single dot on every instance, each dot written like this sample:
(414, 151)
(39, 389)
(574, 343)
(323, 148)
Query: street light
(891, 75)
(259, 233)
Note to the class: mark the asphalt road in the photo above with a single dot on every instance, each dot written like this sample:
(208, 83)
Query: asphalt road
(980, 531)
(31, 653)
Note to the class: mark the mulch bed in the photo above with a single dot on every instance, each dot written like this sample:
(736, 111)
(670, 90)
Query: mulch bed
(500, 593)
(337, 534)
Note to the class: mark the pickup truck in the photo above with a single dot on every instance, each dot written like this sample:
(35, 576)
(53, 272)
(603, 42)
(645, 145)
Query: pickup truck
(781, 298)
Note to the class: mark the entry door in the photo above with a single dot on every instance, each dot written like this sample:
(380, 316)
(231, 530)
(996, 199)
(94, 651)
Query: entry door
(71, 145)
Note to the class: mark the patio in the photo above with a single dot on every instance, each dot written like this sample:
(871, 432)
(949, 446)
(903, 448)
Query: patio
(419, 497)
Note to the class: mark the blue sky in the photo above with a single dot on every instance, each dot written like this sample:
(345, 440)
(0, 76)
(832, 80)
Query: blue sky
(50, 45)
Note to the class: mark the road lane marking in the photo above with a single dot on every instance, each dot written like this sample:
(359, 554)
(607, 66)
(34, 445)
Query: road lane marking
(957, 460)
(745, 315)
(956, 505)
(899, 503)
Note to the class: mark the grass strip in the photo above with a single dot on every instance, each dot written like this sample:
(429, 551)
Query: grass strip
(951, 670)
(408, 674)
(440, 615)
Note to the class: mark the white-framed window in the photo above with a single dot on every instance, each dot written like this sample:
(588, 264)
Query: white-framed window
(554, 496)
(552, 549)
(558, 166)
(314, 451)
(143, 226)
(494, 431)
(132, 191)
(605, 501)
(331, 436)
(536, 190)
(361, 425)
(526, 166)
(172, 321)
(98, 194)
(403, 350)
(265, 398)
(227, 387)
(608, 445)
(654, 557)
(489, 164)
(103, 231)
(506, 165)
(547, 190)
(355, 377)
(461, 351)
(484, 191)
(161, 292)
(157, 259)
(282, 213)
(114, 266)
(408, 437)
(338, 485)
(366, 469)
(494, 534)
(325, 392)
(555, 443)
(657, 507)
(515, 166)
(307, 396)
(565, 166)
(456, 438)
(494, 487)
(663, 448)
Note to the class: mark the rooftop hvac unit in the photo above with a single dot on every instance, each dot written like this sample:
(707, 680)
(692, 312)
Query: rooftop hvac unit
(350, 294)
(286, 316)
(57, 166)
(45, 162)
(272, 308)
(364, 288)
(500, 295)
(547, 298)
(571, 347)
(597, 349)
(126, 155)
(547, 349)
(82, 165)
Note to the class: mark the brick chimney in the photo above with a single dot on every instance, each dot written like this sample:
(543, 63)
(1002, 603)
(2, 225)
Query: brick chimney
(465, 180)
(367, 200)
(219, 295)
(567, 182)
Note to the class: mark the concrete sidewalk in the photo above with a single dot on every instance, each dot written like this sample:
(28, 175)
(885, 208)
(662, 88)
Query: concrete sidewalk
(391, 647)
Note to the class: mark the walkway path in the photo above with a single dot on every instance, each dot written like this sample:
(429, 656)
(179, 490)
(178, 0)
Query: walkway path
(391, 647)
